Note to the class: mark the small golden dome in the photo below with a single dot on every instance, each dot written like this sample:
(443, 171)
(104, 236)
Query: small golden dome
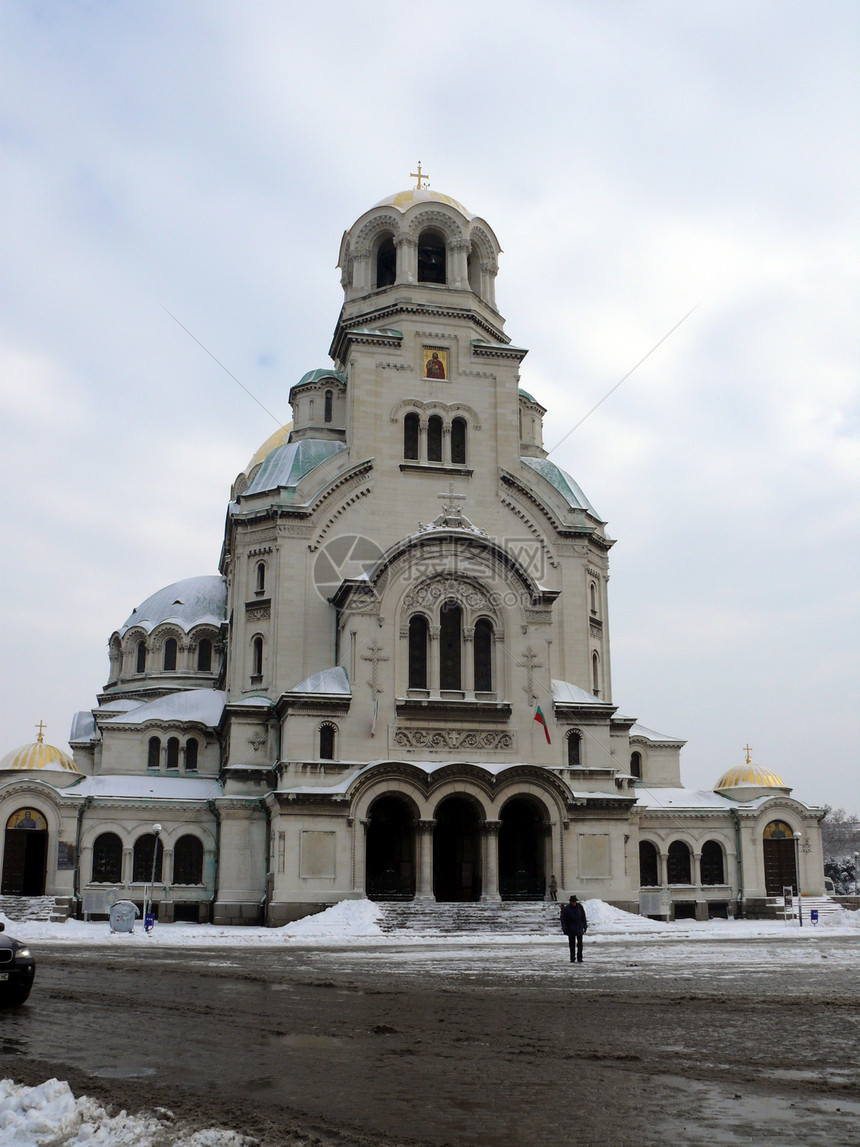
(38, 756)
(750, 776)
(272, 443)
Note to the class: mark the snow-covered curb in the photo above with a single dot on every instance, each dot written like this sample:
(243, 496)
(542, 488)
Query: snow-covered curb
(351, 920)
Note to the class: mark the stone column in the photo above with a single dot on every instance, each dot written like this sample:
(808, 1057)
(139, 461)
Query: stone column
(422, 440)
(488, 276)
(361, 270)
(490, 890)
(424, 848)
(359, 830)
(167, 867)
(433, 668)
(127, 865)
(407, 258)
(663, 869)
(459, 249)
(468, 681)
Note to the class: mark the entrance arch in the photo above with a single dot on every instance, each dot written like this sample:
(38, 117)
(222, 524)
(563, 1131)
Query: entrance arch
(522, 851)
(25, 854)
(390, 856)
(457, 850)
(780, 867)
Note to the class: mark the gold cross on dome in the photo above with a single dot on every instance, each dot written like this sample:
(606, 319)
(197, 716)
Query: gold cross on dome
(41, 727)
(748, 750)
(419, 176)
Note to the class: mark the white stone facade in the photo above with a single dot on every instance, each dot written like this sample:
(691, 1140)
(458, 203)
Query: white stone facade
(349, 708)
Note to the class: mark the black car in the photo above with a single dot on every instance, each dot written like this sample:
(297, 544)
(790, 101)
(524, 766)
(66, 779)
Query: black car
(17, 968)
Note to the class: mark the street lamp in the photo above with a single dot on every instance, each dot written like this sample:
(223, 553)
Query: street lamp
(156, 832)
(856, 858)
(797, 837)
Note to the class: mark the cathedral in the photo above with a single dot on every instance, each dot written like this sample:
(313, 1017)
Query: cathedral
(398, 685)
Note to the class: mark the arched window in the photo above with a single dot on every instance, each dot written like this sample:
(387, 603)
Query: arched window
(636, 765)
(153, 753)
(473, 267)
(257, 657)
(434, 438)
(431, 257)
(386, 263)
(483, 655)
(410, 436)
(140, 666)
(713, 871)
(173, 752)
(169, 663)
(648, 869)
(451, 627)
(592, 592)
(574, 750)
(261, 577)
(595, 674)
(192, 748)
(188, 860)
(329, 398)
(107, 859)
(143, 849)
(327, 736)
(679, 863)
(417, 652)
(458, 442)
(204, 655)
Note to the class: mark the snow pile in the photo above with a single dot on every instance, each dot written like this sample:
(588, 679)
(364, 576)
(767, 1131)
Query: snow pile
(842, 919)
(50, 1116)
(346, 918)
(603, 918)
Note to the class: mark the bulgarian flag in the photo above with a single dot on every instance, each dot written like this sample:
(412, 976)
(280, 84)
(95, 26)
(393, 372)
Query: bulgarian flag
(541, 720)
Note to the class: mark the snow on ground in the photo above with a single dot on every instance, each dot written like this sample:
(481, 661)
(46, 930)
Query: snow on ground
(50, 1116)
(351, 920)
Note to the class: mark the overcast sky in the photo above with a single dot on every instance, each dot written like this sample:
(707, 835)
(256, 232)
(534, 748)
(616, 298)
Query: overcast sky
(634, 160)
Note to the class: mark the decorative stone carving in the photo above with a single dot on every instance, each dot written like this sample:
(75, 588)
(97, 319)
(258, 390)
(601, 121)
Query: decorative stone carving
(453, 740)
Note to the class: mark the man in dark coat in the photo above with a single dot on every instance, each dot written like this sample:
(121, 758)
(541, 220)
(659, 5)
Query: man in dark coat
(574, 925)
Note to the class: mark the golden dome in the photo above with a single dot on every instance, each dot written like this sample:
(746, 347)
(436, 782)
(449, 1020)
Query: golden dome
(272, 443)
(750, 776)
(32, 758)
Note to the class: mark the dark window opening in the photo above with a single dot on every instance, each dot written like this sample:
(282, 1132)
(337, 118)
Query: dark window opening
(458, 442)
(431, 258)
(153, 753)
(204, 655)
(679, 863)
(451, 619)
(483, 656)
(173, 753)
(107, 859)
(257, 657)
(169, 655)
(712, 863)
(327, 742)
(648, 868)
(574, 751)
(410, 436)
(386, 263)
(417, 652)
(434, 439)
(329, 397)
(141, 657)
(636, 765)
(261, 577)
(191, 753)
(188, 860)
(144, 847)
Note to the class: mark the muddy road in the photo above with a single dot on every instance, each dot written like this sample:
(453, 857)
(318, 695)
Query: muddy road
(507, 1045)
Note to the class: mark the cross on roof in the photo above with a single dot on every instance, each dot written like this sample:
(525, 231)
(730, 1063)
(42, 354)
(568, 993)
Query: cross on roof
(449, 500)
(374, 655)
(419, 176)
(41, 727)
(748, 750)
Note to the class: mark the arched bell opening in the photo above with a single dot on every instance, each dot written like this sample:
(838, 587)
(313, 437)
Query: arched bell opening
(25, 854)
(522, 850)
(780, 859)
(431, 257)
(457, 873)
(390, 850)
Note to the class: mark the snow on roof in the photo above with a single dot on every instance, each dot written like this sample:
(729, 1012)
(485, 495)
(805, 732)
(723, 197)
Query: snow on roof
(186, 603)
(649, 735)
(156, 788)
(332, 680)
(681, 798)
(564, 691)
(202, 705)
(83, 726)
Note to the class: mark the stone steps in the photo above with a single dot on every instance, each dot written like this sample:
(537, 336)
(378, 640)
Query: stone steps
(822, 904)
(54, 909)
(507, 916)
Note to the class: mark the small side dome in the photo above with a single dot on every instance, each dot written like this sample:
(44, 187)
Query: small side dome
(287, 465)
(186, 603)
(748, 780)
(38, 757)
(403, 200)
(281, 435)
(563, 482)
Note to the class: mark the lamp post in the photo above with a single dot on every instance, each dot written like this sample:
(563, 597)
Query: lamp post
(797, 836)
(156, 832)
(856, 858)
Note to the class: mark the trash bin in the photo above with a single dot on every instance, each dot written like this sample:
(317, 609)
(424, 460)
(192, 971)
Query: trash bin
(123, 915)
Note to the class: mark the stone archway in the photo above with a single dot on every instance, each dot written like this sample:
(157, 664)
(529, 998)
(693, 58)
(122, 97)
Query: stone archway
(780, 859)
(25, 854)
(457, 840)
(390, 850)
(522, 851)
